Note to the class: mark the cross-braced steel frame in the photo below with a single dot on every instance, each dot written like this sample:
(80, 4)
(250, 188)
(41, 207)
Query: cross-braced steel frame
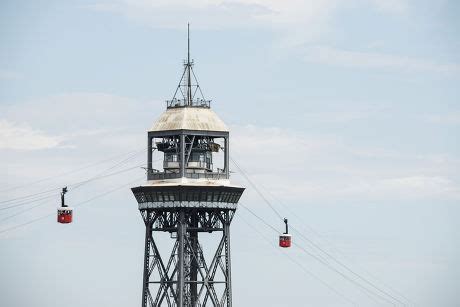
(187, 278)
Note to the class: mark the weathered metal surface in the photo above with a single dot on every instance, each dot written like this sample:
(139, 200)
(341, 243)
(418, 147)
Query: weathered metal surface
(189, 118)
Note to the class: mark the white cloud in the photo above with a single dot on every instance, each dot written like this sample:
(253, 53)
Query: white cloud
(227, 13)
(272, 149)
(446, 119)
(393, 6)
(293, 165)
(412, 187)
(419, 183)
(86, 127)
(23, 137)
(73, 119)
(9, 75)
(374, 60)
(296, 22)
(335, 117)
(174, 14)
(79, 113)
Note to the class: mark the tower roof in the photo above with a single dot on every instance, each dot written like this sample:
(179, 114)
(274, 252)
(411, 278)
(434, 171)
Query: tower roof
(189, 118)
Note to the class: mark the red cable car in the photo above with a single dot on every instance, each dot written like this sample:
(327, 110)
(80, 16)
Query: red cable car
(285, 238)
(64, 213)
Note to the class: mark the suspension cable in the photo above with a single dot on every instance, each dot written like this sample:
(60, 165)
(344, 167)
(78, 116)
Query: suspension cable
(100, 175)
(24, 211)
(297, 262)
(347, 268)
(23, 203)
(316, 246)
(74, 170)
(76, 205)
(368, 292)
(83, 182)
(78, 184)
(257, 190)
(27, 196)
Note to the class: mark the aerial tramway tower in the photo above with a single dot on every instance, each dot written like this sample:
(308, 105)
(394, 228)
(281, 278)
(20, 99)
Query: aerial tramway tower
(188, 197)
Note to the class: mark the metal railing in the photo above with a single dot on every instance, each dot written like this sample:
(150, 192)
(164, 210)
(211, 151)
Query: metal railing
(180, 103)
(151, 175)
(191, 164)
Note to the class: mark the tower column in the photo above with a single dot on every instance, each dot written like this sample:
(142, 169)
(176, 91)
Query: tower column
(181, 231)
(145, 283)
(228, 264)
(149, 154)
(193, 234)
(227, 157)
(182, 155)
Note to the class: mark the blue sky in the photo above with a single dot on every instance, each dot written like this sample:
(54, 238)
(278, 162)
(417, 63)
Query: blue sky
(347, 112)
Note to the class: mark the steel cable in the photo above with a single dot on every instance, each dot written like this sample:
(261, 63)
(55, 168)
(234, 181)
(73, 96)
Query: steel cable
(368, 292)
(76, 205)
(309, 241)
(79, 184)
(257, 190)
(74, 170)
(298, 263)
(316, 246)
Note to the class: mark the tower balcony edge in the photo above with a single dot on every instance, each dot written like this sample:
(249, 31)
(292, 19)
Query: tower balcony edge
(175, 196)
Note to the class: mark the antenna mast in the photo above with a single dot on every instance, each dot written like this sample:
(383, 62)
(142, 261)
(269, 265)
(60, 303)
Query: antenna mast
(189, 67)
(188, 43)
(188, 89)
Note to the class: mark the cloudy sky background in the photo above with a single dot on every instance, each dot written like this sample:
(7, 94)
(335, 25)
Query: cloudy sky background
(345, 112)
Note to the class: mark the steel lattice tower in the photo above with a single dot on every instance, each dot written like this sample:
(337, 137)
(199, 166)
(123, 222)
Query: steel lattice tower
(189, 198)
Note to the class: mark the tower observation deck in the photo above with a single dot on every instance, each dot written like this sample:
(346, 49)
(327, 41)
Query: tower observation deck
(189, 201)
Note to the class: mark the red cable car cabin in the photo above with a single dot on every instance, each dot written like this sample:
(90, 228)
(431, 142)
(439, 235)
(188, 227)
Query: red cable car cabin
(64, 215)
(285, 240)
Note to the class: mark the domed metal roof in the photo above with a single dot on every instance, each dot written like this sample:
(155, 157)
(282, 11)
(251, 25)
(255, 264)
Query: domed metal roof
(189, 118)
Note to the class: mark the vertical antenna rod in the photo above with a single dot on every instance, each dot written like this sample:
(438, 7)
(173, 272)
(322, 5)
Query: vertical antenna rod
(189, 67)
(188, 43)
